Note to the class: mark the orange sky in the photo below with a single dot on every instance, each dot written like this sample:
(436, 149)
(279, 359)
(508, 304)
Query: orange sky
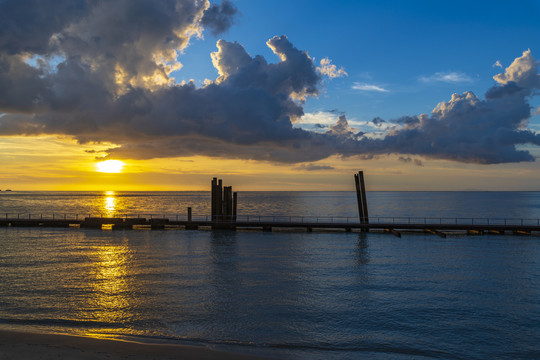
(62, 164)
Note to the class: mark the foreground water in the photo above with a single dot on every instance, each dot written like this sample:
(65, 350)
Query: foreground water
(288, 295)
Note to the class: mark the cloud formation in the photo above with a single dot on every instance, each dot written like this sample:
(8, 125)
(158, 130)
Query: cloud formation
(447, 77)
(327, 68)
(99, 71)
(368, 87)
(469, 129)
(314, 167)
(219, 17)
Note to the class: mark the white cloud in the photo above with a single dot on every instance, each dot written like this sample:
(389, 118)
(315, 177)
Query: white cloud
(497, 64)
(447, 77)
(319, 117)
(322, 121)
(368, 87)
(523, 72)
(331, 70)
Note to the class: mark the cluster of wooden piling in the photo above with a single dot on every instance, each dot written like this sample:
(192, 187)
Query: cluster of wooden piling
(361, 197)
(224, 202)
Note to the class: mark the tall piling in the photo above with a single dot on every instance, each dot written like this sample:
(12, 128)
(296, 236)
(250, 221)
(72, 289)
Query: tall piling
(219, 194)
(227, 203)
(361, 198)
(234, 205)
(224, 203)
(214, 199)
(364, 197)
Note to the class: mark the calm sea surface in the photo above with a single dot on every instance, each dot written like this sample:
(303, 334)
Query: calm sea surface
(296, 295)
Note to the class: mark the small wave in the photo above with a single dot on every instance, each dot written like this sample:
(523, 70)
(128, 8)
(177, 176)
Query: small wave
(61, 323)
(322, 347)
(115, 330)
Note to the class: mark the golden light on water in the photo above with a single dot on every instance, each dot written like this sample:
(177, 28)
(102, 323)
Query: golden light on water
(110, 204)
(110, 166)
(111, 283)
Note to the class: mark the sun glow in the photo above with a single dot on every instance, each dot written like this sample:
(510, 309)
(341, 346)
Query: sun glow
(110, 166)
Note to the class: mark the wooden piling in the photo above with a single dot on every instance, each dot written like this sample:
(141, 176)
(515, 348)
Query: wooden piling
(234, 205)
(190, 219)
(224, 204)
(219, 195)
(361, 198)
(214, 199)
(364, 197)
(227, 203)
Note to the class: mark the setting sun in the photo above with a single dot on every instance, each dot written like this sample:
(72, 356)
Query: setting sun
(110, 166)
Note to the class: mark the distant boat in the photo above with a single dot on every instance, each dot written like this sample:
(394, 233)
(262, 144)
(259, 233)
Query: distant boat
(7, 190)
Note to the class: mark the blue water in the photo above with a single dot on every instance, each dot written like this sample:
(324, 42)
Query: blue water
(283, 294)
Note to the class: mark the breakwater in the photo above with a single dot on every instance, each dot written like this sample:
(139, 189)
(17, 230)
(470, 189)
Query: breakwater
(393, 225)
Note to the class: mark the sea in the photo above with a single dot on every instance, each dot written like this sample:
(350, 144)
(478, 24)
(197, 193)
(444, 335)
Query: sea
(281, 294)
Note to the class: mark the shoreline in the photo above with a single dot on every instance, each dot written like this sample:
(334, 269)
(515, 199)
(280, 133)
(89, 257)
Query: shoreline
(46, 346)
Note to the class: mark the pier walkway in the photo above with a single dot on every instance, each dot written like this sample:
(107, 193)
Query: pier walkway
(394, 225)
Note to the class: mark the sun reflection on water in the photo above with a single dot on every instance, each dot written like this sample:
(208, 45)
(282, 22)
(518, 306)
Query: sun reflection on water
(110, 204)
(111, 301)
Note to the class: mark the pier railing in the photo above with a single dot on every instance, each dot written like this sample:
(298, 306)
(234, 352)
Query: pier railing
(386, 220)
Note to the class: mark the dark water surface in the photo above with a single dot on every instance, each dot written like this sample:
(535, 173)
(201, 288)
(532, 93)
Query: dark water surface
(288, 295)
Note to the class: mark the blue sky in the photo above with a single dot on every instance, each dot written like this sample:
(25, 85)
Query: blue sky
(390, 44)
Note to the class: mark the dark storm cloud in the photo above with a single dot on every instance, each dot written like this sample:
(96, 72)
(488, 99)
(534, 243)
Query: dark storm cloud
(27, 26)
(100, 71)
(219, 18)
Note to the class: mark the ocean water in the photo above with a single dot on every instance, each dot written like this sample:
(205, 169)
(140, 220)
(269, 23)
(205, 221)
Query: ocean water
(294, 295)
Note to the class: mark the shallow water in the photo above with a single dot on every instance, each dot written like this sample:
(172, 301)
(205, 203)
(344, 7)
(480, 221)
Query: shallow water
(289, 295)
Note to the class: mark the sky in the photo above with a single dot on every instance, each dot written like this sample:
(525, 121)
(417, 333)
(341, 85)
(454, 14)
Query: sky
(269, 95)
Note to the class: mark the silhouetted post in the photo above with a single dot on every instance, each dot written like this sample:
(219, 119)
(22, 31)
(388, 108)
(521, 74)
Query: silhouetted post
(219, 204)
(214, 199)
(227, 202)
(189, 214)
(234, 205)
(217, 199)
(364, 197)
(224, 203)
(361, 197)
